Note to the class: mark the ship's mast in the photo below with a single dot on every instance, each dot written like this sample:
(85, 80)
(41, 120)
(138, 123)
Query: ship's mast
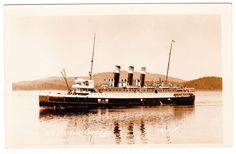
(168, 66)
(91, 69)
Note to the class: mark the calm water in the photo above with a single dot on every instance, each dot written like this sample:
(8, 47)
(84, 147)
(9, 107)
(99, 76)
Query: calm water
(28, 126)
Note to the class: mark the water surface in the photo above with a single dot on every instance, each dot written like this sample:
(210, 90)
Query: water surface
(28, 126)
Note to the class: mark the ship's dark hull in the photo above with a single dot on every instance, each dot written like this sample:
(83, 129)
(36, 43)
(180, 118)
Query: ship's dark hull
(54, 101)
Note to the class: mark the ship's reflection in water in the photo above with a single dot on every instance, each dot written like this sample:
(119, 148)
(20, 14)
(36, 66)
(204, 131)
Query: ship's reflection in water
(117, 132)
(141, 125)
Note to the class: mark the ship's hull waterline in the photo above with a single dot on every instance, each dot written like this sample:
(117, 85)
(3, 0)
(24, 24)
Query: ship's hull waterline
(93, 102)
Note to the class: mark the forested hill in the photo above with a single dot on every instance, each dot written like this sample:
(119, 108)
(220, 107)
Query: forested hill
(58, 83)
(205, 83)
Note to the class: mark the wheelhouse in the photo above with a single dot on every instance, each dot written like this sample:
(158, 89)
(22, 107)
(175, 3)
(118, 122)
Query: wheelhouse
(83, 86)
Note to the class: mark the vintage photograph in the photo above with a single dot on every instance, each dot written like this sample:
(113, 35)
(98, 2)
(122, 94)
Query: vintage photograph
(117, 75)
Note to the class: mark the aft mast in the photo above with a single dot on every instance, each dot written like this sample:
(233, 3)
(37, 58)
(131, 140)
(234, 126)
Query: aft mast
(91, 69)
(168, 66)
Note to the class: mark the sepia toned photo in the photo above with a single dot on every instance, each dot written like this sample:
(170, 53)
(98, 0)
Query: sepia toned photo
(117, 75)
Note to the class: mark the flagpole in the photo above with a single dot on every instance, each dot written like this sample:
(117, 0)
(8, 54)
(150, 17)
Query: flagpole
(168, 66)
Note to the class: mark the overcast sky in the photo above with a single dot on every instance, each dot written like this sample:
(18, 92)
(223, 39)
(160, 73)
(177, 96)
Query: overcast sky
(40, 46)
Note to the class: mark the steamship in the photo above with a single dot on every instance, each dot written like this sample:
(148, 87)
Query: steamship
(125, 93)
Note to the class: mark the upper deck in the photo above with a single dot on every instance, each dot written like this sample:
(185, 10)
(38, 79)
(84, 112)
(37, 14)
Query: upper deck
(145, 89)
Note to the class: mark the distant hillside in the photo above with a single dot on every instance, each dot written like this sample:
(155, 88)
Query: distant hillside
(205, 83)
(53, 83)
(58, 83)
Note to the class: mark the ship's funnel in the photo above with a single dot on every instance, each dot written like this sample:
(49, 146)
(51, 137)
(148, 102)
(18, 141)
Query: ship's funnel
(142, 76)
(116, 76)
(130, 75)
